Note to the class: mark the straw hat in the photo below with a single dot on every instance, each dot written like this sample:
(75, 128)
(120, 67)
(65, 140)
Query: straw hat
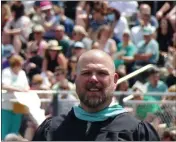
(53, 45)
(38, 28)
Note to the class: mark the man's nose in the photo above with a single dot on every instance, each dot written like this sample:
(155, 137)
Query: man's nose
(93, 78)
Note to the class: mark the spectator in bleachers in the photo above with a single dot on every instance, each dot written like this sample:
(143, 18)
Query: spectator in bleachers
(154, 83)
(49, 20)
(65, 100)
(62, 39)
(125, 51)
(18, 28)
(33, 62)
(83, 11)
(98, 19)
(53, 57)
(147, 49)
(71, 75)
(118, 24)
(80, 34)
(38, 40)
(144, 20)
(61, 74)
(106, 43)
(14, 79)
(143, 8)
(64, 20)
(164, 35)
(78, 49)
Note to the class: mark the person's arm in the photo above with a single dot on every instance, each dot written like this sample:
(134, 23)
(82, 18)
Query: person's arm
(11, 88)
(162, 10)
(113, 47)
(61, 59)
(143, 56)
(44, 65)
(172, 12)
(127, 59)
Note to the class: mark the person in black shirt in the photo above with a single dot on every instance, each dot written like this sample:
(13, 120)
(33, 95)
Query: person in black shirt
(98, 117)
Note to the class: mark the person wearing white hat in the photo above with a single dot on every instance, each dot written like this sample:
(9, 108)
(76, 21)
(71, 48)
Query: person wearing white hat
(53, 57)
(147, 49)
(78, 49)
(39, 42)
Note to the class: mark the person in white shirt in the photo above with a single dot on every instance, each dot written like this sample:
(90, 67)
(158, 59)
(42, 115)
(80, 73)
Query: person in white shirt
(14, 79)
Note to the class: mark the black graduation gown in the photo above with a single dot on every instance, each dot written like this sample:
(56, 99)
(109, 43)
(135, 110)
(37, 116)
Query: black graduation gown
(123, 127)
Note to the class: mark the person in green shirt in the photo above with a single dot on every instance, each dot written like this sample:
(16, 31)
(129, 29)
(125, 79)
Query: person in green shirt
(62, 39)
(125, 50)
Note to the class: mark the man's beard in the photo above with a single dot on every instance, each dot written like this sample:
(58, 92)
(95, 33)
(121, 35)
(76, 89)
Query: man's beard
(93, 101)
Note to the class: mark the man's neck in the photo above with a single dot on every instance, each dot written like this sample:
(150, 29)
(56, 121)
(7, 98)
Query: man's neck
(99, 108)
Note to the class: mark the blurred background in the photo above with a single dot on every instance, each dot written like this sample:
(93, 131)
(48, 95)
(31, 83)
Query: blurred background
(43, 40)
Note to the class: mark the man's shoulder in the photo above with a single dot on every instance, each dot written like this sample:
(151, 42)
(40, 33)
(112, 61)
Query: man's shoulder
(125, 121)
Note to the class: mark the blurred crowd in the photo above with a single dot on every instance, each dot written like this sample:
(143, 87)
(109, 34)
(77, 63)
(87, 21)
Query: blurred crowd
(43, 40)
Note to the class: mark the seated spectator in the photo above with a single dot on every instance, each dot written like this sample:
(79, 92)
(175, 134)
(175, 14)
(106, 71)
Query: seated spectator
(145, 10)
(33, 63)
(53, 57)
(164, 35)
(80, 34)
(154, 84)
(144, 21)
(125, 51)
(83, 11)
(38, 40)
(98, 19)
(65, 21)
(60, 74)
(78, 49)
(62, 39)
(106, 43)
(143, 110)
(14, 79)
(147, 49)
(71, 75)
(118, 24)
(18, 28)
(49, 20)
(65, 99)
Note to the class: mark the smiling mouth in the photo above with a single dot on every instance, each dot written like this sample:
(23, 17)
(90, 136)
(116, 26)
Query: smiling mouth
(94, 90)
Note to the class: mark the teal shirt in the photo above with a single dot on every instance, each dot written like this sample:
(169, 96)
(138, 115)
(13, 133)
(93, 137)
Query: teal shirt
(151, 48)
(161, 87)
(130, 50)
(143, 109)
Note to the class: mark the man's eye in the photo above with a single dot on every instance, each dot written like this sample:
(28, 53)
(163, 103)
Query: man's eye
(86, 73)
(102, 73)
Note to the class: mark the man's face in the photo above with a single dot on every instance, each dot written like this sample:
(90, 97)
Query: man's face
(147, 38)
(95, 82)
(154, 78)
(59, 33)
